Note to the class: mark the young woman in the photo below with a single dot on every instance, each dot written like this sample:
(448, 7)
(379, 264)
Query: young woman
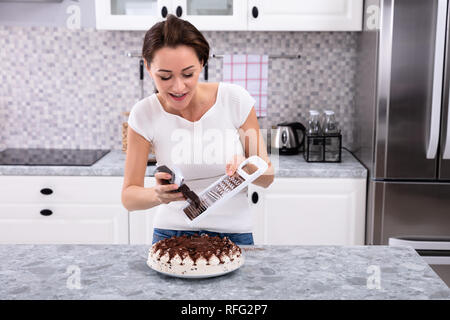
(203, 129)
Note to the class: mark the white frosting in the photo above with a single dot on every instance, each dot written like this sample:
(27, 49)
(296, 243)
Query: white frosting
(213, 260)
(186, 266)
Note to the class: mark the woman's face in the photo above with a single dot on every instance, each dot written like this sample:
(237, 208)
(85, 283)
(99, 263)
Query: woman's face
(175, 72)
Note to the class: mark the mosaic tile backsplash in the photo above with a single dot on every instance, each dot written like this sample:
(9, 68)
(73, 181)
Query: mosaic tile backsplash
(68, 89)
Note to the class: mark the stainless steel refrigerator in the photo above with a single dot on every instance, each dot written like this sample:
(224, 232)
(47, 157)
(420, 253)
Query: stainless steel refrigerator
(402, 125)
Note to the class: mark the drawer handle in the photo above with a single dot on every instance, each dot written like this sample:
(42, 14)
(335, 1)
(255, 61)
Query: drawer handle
(164, 12)
(255, 197)
(179, 11)
(46, 191)
(46, 212)
(255, 12)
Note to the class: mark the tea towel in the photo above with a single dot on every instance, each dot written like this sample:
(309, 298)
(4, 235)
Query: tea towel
(251, 72)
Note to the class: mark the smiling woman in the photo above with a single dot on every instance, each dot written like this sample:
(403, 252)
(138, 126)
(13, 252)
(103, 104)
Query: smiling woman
(175, 53)
(183, 109)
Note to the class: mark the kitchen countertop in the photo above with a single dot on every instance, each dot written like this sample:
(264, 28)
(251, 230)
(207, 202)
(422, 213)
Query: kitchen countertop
(269, 272)
(112, 164)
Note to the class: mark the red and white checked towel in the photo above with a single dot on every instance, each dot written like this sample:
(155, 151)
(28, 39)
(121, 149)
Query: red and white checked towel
(251, 72)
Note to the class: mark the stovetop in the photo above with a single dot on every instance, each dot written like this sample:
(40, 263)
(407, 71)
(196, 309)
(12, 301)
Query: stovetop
(51, 157)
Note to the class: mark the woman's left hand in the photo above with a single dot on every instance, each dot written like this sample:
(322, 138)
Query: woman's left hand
(233, 164)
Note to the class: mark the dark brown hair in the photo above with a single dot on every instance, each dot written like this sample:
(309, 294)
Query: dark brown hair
(171, 33)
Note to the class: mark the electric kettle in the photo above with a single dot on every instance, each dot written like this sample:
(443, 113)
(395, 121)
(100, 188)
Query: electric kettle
(288, 138)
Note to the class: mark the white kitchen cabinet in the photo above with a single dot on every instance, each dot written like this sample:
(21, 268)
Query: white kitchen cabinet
(141, 221)
(309, 211)
(229, 15)
(305, 15)
(213, 14)
(305, 211)
(141, 15)
(130, 14)
(62, 209)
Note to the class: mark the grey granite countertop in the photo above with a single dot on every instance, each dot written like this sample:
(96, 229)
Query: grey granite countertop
(269, 272)
(112, 164)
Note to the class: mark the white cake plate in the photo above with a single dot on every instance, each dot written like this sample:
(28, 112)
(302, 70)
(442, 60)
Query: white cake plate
(193, 276)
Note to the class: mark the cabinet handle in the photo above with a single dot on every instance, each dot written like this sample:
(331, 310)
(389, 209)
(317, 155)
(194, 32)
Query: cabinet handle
(179, 11)
(164, 11)
(255, 12)
(46, 212)
(46, 191)
(255, 197)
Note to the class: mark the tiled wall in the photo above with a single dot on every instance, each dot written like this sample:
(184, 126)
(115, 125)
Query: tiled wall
(68, 89)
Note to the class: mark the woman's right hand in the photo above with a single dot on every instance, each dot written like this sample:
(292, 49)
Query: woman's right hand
(163, 191)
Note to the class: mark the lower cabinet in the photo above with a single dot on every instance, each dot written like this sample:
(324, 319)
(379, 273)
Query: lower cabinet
(88, 210)
(309, 211)
(51, 210)
(292, 211)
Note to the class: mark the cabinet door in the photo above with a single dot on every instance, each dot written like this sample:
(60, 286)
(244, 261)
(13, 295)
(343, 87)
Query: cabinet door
(141, 221)
(141, 226)
(213, 14)
(305, 15)
(256, 197)
(130, 14)
(76, 224)
(311, 211)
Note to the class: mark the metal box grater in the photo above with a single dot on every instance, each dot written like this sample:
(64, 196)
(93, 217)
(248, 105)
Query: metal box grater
(223, 189)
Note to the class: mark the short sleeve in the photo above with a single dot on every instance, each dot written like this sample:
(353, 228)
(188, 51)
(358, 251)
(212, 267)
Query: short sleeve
(242, 103)
(140, 121)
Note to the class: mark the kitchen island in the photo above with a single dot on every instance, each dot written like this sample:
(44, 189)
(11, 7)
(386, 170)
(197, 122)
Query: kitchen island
(269, 272)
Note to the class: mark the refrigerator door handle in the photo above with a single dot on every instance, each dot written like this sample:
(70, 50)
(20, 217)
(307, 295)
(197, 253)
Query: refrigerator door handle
(421, 244)
(446, 154)
(437, 79)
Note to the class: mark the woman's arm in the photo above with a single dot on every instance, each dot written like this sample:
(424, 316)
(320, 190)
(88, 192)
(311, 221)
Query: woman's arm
(134, 195)
(254, 144)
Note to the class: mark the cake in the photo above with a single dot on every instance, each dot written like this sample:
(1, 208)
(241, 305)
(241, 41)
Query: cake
(195, 255)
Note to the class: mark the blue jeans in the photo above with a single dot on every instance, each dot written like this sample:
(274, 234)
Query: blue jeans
(237, 238)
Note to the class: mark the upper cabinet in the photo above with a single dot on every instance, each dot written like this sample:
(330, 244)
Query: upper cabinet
(229, 15)
(305, 15)
(213, 14)
(130, 14)
(142, 14)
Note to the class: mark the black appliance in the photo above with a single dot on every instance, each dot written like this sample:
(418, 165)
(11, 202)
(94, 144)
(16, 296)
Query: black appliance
(50, 157)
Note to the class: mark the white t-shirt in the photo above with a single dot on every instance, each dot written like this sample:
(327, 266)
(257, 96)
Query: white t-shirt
(200, 150)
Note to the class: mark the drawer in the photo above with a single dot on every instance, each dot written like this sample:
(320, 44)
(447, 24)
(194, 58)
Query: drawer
(77, 224)
(64, 189)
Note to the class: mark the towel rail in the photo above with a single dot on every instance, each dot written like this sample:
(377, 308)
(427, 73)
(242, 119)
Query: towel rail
(220, 56)
(272, 56)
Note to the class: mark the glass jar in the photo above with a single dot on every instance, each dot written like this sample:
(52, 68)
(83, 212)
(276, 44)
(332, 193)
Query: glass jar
(314, 147)
(313, 123)
(330, 125)
(332, 140)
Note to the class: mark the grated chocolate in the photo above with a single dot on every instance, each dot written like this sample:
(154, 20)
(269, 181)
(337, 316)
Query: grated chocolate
(196, 247)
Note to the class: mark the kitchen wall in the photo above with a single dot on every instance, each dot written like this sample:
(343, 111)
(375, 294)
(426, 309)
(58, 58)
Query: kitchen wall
(67, 88)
